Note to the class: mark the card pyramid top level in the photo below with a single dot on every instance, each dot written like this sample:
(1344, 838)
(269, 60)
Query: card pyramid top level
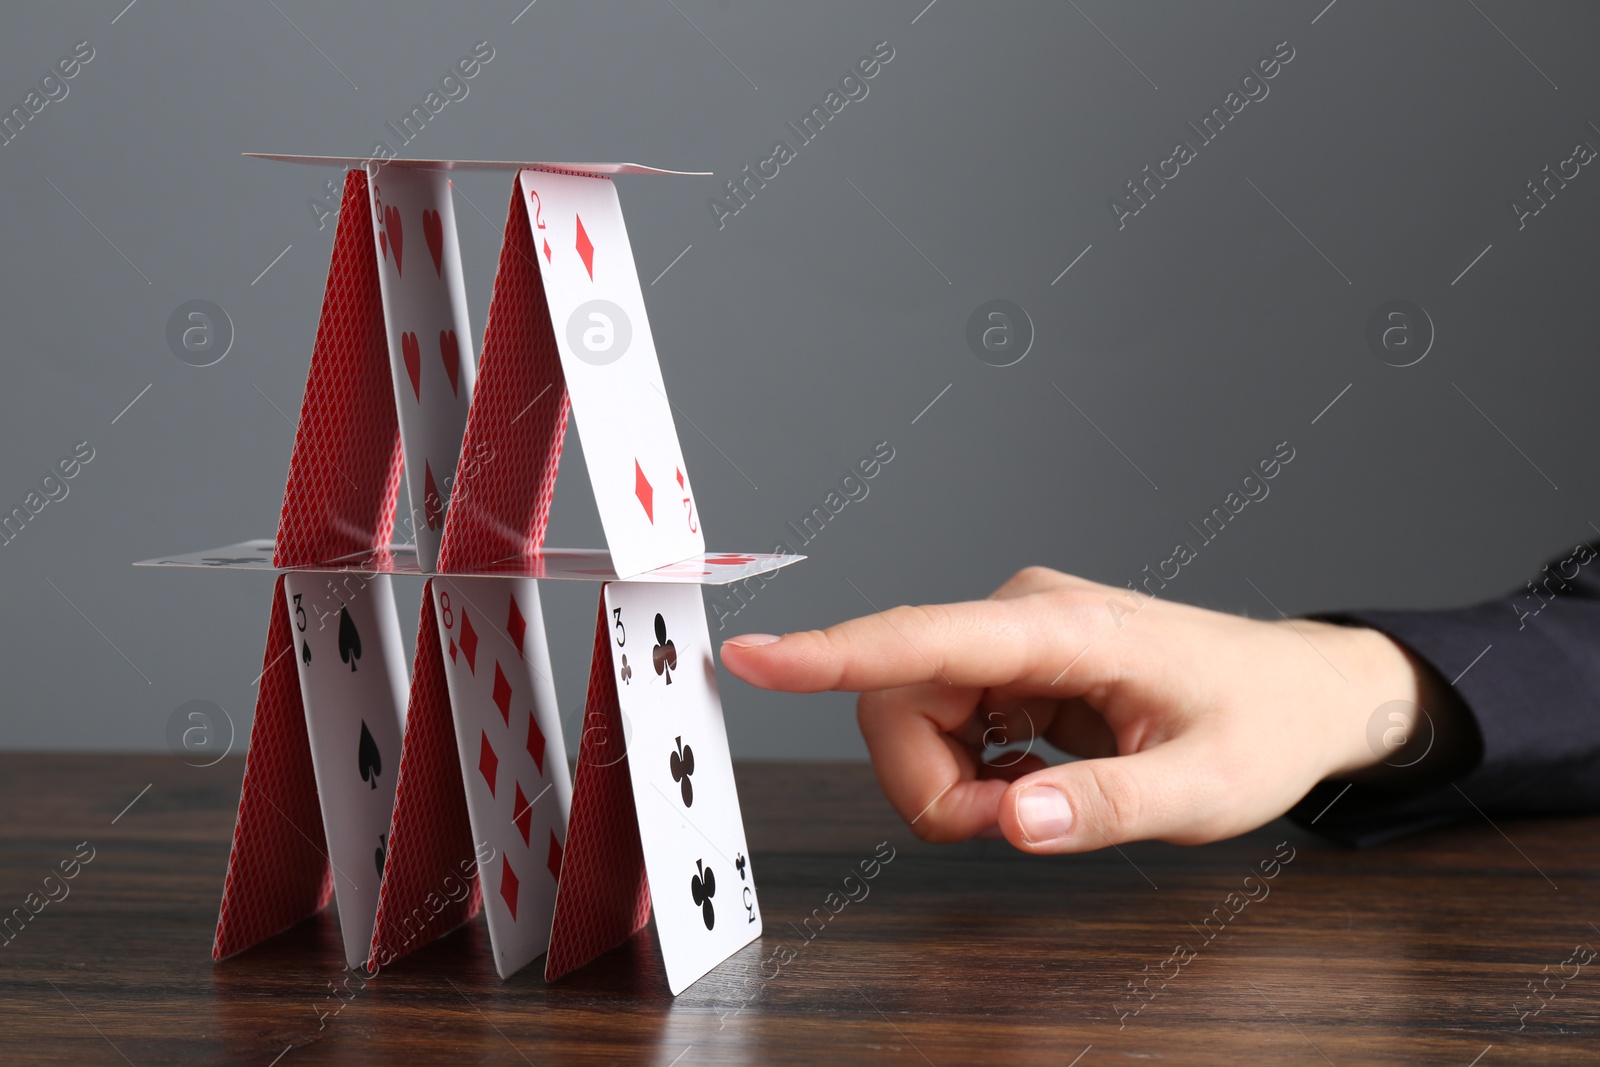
(395, 396)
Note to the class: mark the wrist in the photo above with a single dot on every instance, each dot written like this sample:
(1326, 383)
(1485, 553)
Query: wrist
(1401, 724)
(1385, 710)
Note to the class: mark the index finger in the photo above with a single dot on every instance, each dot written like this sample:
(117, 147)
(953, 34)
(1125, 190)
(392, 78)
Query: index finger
(1032, 642)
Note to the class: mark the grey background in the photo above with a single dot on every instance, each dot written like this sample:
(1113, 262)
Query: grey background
(808, 328)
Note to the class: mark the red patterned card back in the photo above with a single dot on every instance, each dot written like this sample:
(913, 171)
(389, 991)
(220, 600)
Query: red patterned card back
(604, 897)
(344, 477)
(500, 503)
(430, 882)
(278, 869)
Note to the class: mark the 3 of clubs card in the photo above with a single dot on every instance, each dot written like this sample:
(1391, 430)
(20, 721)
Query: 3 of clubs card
(701, 882)
(513, 756)
(608, 358)
(353, 683)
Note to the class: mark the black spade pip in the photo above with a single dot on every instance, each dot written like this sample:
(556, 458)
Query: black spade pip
(349, 638)
(369, 761)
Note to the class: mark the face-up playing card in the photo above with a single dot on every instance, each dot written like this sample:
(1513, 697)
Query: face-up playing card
(608, 357)
(353, 684)
(513, 757)
(430, 340)
(701, 882)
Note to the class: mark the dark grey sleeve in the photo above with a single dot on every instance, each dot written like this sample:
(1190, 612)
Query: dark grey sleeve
(1527, 666)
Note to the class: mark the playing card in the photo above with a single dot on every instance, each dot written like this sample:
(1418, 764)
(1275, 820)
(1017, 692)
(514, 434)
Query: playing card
(567, 564)
(430, 883)
(345, 470)
(346, 643)
(429, 339)
(604, 897)
(608, 358)
(701, 882)
(512, 449)
(513, 757)
(278, 869)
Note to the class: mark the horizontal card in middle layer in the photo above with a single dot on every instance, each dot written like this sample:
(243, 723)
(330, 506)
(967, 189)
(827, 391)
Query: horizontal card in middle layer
(567, 564)
(513, 757)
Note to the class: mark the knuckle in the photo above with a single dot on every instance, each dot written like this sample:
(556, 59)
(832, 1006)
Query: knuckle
(831, 638)
(928, 617)
(1211, 814)
(927, 627)
(1084, 613)
(1033, 577)
(1072, 601)
(1030, 579)
(1116, 797)
(834, 647)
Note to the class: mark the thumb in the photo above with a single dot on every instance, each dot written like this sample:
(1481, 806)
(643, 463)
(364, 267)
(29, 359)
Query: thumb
(1166, 792)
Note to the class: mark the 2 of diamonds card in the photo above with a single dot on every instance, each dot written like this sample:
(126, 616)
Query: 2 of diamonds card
(608, 358)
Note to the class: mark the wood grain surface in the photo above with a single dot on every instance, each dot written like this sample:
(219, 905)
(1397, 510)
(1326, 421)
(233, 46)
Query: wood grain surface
(1417, 952)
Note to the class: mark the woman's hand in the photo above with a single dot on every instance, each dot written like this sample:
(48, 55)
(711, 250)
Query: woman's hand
(1194, 725)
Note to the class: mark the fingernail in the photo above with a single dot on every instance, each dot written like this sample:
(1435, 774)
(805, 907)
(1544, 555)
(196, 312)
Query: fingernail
(751, 640)
(1044, 814)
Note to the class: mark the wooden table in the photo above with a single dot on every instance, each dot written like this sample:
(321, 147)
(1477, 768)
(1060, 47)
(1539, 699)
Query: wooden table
(1416, 952)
